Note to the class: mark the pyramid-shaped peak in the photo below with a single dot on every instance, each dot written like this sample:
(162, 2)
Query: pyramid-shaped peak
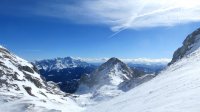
(113, 59)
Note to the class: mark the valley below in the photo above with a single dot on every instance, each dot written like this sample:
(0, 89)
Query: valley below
(113, 85)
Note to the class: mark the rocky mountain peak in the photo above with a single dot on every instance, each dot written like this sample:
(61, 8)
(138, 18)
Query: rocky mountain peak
(113, 59)
(190, 44)
(60, 63)
(114, 62)
(104, 82)
(112, 72)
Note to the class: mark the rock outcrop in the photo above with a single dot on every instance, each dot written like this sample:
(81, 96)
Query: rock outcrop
(190, 44)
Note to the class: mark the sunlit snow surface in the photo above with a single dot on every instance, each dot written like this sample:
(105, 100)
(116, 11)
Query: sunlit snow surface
(20, 103)
(176, 89)
(13, 96)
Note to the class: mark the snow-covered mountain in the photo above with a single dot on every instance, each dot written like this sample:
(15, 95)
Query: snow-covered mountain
(146, 61)
(22, 88)
(145, 64)
(175, 89)
(103, 83)
(60, 63)
(64, 71)
(68, 71)
(112, 72)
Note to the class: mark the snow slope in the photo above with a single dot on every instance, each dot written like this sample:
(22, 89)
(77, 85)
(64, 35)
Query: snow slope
(176, 89)
(103, 83)
(23, 90)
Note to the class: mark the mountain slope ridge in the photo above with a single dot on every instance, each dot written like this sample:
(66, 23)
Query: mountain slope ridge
(176, 89)
(190, 44)
(112, 72)
(22, 88)
(103, 83)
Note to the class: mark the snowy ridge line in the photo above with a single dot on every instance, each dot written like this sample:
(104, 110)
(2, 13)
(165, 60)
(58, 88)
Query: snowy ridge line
(128, 60)
(175, 89)
(23, 90)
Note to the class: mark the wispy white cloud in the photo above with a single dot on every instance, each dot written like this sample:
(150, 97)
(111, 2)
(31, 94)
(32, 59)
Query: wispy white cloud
(128, 14)
(128, 60)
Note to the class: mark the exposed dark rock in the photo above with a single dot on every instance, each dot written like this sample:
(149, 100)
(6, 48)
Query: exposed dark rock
(26, 68)
(5, 51)
(187, 45)
(43, 94)
(35, 68)
(3, 82)
(16, 87)
(2, 73)
(14, 76)
(28, 90)
(2, 64)
(34, 80)
(7, 56)
(10, 77)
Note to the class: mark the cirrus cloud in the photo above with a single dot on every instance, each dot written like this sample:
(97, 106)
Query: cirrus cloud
(127, 14)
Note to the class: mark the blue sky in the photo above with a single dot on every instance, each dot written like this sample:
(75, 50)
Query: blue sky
(34, 30)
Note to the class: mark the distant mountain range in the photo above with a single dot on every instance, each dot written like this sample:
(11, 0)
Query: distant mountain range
(60, 63)
(176, 88)
(146, 61)
(66, 72)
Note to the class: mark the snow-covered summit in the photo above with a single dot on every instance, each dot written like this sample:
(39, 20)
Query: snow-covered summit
(114, 71)
(60, 63)
(103, 83)
(176, 89)
(111, 72)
